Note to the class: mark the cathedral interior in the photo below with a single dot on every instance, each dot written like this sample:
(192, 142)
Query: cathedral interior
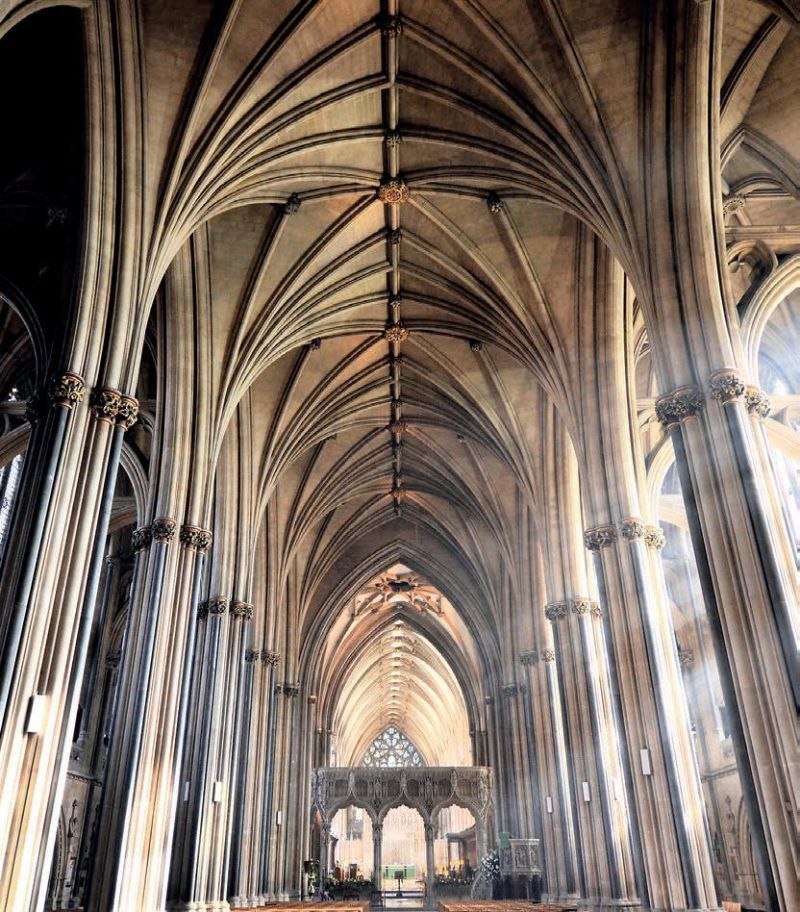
(400, 454)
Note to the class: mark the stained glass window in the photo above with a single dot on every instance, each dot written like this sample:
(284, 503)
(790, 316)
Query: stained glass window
(392, 749)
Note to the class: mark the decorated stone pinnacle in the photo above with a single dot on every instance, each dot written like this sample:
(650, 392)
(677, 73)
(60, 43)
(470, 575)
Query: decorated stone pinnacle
(292, 204)
(599, 537)
(528, 658)
(242, 610)
(127, 413)
(475, 345)
(141, 538)
(757, 402)
(548, 655)
(66, 390)
(395, 332)
(654, 538)
(555, 611)
(632, 528)
(195, 538)
(726, 385)
(105, 403)
(390, 26)
(393, 191)
(164, 530)
(494, 202)
(217, 605)
(683, 403)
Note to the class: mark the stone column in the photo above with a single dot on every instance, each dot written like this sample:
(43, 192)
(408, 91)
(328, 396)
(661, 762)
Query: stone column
(377, 855)
(271, 660)
(430, 833)
(324, 847)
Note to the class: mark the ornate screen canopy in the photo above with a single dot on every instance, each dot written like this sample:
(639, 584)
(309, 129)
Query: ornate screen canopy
(392, 749)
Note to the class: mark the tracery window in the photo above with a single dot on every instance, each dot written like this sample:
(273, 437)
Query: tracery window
(392, 749)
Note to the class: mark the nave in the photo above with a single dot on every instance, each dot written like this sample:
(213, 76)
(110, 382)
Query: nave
(399, 454)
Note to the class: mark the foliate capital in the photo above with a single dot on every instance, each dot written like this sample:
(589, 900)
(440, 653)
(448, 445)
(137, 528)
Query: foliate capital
(757, 402)
(654, 538)
(105, 403)
(141, 538)
(290, 688)
(270, 658)
(252, 655)
(555, 611)
(394, 236)
(686, 658)
(528, 658)
(632, 528)
(196, 539)
(679, 405)
(217, 605)
(127, 412)
(163, 530)
(599, 537)
(726, 385)
(242, 610)
(548, 655)
(66, 390)
(585, 606)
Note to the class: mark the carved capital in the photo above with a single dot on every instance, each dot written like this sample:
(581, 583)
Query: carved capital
(548, 655)
(393, 191)
(127, 412)
(394, 236)
(632, 528)
(270, 658)
(113, 658)
(555, 611)
(195, 538)
(599, 537)
(141, 538)
(585, 606)
(66, 390)
(726, 385)
(679, 405)
(105, 403)
(290, 688)
(252, 655)
(164, 530)
(217, 605)
(494, 202)
(654, 538)
(528, 658)
(242, 610)
(757, 402)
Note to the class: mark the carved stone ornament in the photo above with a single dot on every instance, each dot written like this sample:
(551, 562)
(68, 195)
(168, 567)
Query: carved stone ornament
(393, 191)
(141, 538)
(654, 538)
(292, 205)
(528, 658)
(127, 413)
(252, 655)
(683, 403)
(757, 402)
(113, 658)
(632, 528)
(66, 390)
(242, 610)
(202, 611)
(494, 203)
(599, 537)
(475, 345)
(290, 688)
(398, 426)
(35, 406)
(390, 26)
(394, 236)
(105, 403)
(555, 611)
(686, 658)
(217, 605)
(585, 606)
(395, 332)
(163, 530)
(732, 204)
(392, 139)
(270, 658)
(548, 655)
(196, 539)
(511, 690)
(726, 385)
